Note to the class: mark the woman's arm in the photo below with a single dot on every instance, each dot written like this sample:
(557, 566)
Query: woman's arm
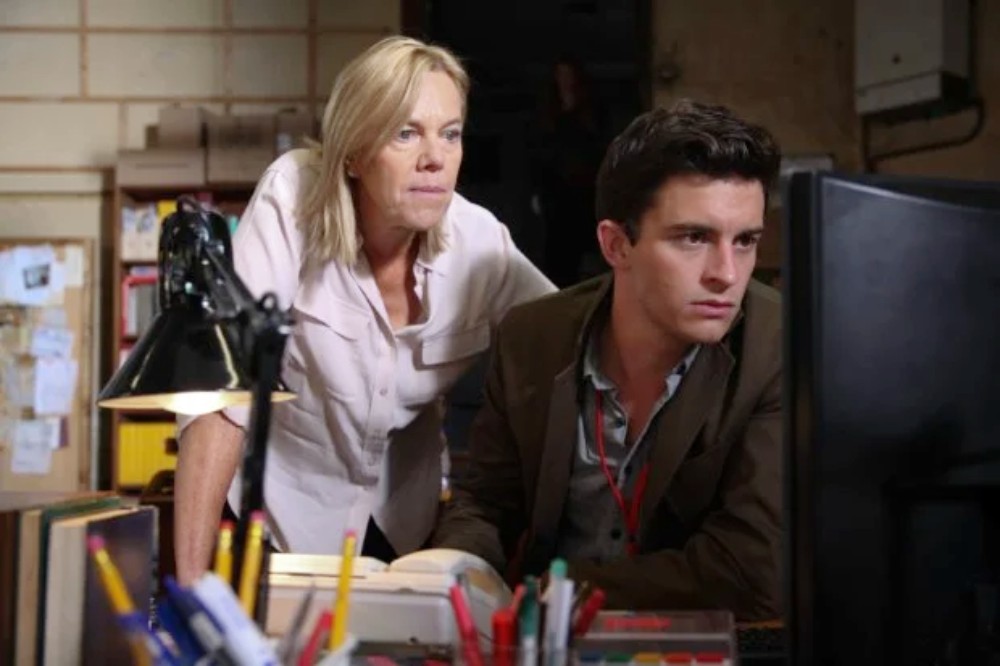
(209, 453)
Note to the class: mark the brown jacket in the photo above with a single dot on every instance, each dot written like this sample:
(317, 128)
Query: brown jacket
(710, 522)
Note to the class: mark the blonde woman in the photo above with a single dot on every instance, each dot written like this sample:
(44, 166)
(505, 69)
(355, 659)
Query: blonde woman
(394, 281)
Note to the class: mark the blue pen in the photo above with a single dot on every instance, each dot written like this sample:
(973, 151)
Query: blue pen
(174, 624)
(204, 627)
(135, 624)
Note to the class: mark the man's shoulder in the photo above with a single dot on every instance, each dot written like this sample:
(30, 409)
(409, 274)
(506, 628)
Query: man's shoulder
(763, 303)
(761, 334)
(569, 306)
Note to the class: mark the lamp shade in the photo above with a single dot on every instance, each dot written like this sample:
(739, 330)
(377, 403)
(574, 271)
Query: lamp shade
(185, 363)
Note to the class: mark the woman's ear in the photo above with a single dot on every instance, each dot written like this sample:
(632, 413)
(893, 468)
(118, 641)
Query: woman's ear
(614, 243)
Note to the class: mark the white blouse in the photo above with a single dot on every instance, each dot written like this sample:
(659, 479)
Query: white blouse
(363, 436)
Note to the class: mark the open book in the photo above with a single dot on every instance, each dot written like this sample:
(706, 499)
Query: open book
(405, 601)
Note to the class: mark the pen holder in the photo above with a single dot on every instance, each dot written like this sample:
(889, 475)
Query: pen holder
(342, 655)
(516, 657)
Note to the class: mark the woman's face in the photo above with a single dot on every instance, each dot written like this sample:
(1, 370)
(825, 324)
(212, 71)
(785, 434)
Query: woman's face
(409, 182)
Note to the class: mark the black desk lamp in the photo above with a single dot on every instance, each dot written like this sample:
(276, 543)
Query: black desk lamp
(211, 346)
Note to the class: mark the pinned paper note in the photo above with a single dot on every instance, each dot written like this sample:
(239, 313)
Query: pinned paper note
(53, 316)
(55, 385)
(33, 444)
(52, 341)
(73, 262)
(27, 275)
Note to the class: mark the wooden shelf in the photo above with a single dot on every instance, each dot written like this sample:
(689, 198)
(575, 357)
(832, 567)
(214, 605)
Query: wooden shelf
(230, 199)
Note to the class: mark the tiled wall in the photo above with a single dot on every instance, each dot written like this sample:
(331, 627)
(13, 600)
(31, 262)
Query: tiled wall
(81, 79)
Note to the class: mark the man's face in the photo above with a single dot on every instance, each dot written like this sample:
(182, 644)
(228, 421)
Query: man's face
(696, 248)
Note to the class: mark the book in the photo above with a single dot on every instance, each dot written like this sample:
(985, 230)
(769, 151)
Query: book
(80, 625)
(13, 507)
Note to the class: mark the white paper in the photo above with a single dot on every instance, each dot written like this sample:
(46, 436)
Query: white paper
(28, 275)
(55, 386)
(6, 275)
(54, 316)
(52, 341)
(18, 380)
(73, 261)
(33, 446)
(57, 284)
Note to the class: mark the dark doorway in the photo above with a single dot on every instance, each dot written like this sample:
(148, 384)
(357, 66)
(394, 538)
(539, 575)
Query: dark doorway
(530, 158)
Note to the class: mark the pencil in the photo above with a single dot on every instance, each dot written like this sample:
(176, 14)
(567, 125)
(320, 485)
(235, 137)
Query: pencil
(341, 608)
(251, 563)
(224, 552)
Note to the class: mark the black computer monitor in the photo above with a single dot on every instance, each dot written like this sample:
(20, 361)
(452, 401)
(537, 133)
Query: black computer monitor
(892, 380)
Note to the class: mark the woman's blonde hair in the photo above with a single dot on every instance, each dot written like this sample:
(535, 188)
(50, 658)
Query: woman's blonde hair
(371, 100)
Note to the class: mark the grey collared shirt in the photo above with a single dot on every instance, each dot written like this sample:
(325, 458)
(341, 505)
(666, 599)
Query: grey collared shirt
(593, 524)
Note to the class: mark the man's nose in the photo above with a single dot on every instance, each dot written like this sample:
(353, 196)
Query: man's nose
(720, 271)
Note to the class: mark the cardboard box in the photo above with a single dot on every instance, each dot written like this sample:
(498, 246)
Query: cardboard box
(161, 167)
(180, 127)
(240, 148)
(237, 166)
(292, 128)
(247, 131)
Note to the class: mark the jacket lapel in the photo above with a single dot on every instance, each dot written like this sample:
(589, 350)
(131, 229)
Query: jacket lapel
(683, 418)
(556, 462)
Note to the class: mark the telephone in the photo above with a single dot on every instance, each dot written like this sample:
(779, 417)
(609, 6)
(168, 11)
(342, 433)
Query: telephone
(404, 601)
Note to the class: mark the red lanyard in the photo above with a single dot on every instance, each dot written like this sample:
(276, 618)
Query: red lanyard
(631, 510)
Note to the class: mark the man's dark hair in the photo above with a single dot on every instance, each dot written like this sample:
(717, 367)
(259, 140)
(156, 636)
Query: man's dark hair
(688, 138)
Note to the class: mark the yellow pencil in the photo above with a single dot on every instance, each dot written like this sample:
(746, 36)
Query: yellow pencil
(111, 579)
(114, 586)
(341, 607)
(251, 562)
(224, 552)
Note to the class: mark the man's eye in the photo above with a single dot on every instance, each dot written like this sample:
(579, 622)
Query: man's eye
(695, 237)
(748, 241)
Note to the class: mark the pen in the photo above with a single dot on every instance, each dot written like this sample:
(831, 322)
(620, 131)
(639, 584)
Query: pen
(224, 552)
(588, 611)
(251, 563)
(288, 643)
(515, 602)
(504, 639)
(203, 625)
(581, 596)
(174, 624)
(466, 627)
(553, 605)
(341, 608)
(322, 627)
(528, 620)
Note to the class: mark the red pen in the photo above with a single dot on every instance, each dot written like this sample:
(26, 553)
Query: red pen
(588, 612)
(466, 627)
(515, 602)
(504, 637)
(316, 638)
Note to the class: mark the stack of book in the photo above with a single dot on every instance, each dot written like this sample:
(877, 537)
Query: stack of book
(52, 607)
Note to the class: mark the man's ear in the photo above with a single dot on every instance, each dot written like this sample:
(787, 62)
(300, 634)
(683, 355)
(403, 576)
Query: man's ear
(614, 243)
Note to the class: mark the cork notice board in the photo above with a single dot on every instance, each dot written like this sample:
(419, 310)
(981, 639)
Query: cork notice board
(46, 364)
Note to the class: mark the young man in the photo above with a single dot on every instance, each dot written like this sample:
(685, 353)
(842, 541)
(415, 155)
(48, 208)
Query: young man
(632, 424)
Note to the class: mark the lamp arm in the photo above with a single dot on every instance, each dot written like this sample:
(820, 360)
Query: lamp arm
(263, 328)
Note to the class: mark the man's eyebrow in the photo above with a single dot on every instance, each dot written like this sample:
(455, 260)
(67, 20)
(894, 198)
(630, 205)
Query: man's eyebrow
(701, 227)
